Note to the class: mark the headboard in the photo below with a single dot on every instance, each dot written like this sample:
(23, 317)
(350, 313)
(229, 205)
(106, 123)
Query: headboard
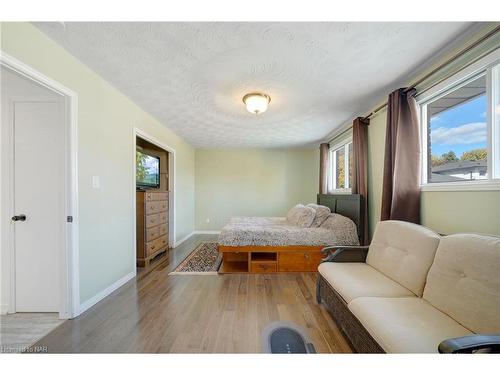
(348, 205)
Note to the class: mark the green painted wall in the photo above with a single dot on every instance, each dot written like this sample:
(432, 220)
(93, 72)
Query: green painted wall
(252, 182)
(106, 119)
(444, 211)
(462, 211)
(376, 144)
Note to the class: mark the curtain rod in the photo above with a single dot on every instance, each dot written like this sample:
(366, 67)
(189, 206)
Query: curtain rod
(437, 69)
(339, 134)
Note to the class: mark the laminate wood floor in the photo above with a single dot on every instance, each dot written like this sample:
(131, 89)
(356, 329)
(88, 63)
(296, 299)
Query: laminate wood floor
(158, 313)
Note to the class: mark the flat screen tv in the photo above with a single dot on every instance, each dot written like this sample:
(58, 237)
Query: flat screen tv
(147, 171)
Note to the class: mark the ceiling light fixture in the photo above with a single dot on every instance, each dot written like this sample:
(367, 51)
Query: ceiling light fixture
(256, 102)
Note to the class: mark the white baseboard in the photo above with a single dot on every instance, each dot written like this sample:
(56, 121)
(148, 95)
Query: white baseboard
(106, 292)
(207, 231)
(4, 309)
(177, 243)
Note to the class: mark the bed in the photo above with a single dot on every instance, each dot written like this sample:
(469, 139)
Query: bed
(272, 244)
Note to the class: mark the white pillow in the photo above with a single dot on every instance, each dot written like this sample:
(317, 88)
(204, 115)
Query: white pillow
(322, 213)
(301, 216)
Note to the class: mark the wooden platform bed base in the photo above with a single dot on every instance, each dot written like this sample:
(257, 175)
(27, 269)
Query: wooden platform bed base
(270, 259)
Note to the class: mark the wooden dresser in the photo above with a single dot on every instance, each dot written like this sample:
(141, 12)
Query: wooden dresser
(152, 225)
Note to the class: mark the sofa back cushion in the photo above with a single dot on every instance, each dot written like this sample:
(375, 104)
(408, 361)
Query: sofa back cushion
(404, 252)
(301, 216)
(322, 213)
(464, 281)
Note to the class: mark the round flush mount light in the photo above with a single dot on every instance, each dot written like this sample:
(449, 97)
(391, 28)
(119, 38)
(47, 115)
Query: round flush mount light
(256, 102)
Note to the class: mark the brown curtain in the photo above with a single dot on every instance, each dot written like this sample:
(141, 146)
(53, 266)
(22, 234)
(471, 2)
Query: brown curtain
(360, 168)
(401, 186)
(323, 167)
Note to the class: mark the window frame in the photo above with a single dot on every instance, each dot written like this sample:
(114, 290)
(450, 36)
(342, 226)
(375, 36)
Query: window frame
(487, 66)
(332, 183)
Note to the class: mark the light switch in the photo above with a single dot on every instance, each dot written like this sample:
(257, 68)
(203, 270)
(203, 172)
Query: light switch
(96, 182)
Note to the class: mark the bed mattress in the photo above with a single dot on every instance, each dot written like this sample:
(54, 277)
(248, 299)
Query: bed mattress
(277, 231)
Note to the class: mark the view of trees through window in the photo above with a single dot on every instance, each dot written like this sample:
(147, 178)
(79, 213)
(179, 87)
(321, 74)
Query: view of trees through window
(450, 156)
(457, 140)
(340, 168)
(340, 181)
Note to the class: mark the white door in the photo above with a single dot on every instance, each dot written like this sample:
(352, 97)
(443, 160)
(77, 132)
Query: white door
(36, 120)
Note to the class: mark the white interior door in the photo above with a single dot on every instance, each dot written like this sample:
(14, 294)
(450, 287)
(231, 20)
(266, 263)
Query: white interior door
(36, 121)
(38, 193)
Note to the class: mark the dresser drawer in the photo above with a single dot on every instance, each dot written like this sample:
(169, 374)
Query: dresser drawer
(155, 232)
(163, 205)
(163, 229)
(163, 217)
(155, 245)
(262, 267)
(156, 196)
(154, 207)
(300, 261)
(152, 220)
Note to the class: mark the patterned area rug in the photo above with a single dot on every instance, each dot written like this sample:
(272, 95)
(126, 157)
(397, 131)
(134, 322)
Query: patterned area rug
(204, 260)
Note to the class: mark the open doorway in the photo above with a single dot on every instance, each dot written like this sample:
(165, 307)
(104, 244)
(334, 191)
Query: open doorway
(154, 211)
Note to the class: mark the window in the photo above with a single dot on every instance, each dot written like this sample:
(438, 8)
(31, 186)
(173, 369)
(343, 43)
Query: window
(457, 135)
(460, 127)
(340, 172)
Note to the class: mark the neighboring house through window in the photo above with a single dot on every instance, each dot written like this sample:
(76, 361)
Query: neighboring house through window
(460, 121)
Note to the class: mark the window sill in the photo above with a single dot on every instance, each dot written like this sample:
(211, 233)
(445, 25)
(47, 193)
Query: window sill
(485, 185)
(340, 191)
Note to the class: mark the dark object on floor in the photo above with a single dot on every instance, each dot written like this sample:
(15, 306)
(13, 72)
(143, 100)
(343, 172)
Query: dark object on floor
(286, 338)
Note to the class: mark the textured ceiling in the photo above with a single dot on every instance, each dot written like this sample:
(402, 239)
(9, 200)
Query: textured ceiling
(192, 76)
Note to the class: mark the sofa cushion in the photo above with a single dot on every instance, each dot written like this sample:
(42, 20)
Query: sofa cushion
(352, 280)
(404, 252)
(301, 216)
(464, 281)
(405, 325)
(322, 213)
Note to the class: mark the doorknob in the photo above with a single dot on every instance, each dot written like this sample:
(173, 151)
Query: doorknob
(19, 218)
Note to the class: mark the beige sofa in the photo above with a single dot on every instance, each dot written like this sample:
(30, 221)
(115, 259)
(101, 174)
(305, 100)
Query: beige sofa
(414, 291)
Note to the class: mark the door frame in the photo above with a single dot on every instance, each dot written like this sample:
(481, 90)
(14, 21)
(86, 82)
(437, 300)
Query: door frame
(69, 259)
(171, 186)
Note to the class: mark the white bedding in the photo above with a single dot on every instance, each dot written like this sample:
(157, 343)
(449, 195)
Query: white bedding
(277, 231)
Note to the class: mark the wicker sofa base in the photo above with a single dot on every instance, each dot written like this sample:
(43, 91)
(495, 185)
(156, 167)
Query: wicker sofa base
(360, 339)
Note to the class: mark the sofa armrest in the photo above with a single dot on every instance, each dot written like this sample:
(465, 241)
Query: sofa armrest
(468, 344)
(343, 254)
